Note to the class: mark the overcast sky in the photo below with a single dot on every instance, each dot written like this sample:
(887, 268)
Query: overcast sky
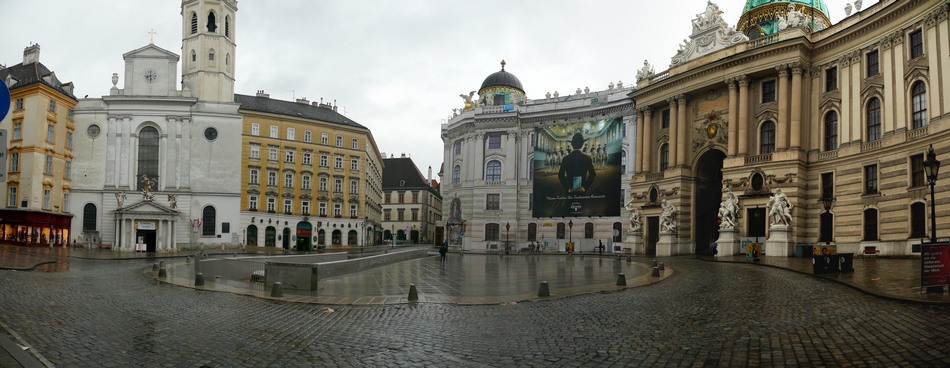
(396, 67)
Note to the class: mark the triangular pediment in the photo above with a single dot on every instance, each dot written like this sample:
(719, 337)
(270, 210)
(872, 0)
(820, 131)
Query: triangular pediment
(150, 51)
(147, 207)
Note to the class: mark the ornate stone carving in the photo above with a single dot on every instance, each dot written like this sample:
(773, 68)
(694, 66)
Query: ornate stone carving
(710, 33)
(728, 211)
(667, 217)
(646, 72)
(780, 210)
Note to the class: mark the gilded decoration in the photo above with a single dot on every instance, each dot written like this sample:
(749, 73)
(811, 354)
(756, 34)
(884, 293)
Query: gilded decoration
(711, 130)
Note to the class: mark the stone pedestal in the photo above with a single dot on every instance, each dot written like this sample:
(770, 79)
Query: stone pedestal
(666, 245)
(635, 243)
(729, 244)
(779, 243)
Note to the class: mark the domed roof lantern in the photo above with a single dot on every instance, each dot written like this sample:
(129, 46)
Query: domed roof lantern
(764, 17)
(501, 79)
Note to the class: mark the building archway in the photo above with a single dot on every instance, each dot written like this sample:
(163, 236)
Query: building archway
(304, 232)
(285, 241)
(707, 197)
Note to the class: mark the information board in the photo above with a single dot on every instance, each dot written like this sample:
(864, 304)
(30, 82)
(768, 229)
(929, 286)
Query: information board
(934, 264)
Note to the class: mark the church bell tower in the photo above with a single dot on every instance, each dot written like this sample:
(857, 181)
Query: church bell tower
(208, 48)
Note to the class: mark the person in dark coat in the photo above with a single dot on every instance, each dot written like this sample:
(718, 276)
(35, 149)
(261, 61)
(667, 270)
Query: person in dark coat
(577, 168)
(443, 250)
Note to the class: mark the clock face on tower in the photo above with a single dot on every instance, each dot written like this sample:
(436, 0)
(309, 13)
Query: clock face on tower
(151, 76)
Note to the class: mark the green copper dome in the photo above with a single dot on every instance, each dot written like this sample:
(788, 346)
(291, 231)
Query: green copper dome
(765, 17)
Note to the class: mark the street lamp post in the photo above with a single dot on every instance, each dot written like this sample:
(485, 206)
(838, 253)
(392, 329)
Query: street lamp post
(392, 236)
(827, 202)
(507, 238)
(932, 169)
(570, 234)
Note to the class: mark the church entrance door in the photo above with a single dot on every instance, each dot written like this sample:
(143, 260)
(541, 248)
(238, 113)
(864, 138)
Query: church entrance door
(707, 198)
(653, 234)
(148, 238)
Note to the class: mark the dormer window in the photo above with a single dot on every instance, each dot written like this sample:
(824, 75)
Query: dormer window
(194, 23)
(211, 25)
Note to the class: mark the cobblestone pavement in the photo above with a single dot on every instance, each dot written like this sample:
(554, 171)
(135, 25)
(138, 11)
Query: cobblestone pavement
(110, 314)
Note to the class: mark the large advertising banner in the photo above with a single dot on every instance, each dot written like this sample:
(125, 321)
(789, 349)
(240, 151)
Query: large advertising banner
(577, 169)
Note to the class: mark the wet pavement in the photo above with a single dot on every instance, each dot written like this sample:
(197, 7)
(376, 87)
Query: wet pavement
(101, 311)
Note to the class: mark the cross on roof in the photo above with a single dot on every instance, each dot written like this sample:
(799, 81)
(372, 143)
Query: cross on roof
(151, 36)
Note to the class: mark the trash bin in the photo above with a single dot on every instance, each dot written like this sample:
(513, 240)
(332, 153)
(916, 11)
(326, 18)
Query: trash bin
(803, 251)
(569, 247)
(846, 262)
(823, 264)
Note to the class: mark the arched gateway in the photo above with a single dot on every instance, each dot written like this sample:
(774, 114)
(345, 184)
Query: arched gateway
(707, 197)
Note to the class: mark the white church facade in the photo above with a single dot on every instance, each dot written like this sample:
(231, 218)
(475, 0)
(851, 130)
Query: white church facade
(160, 164)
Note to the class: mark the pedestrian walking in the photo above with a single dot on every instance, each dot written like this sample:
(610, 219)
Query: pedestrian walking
(443, 250)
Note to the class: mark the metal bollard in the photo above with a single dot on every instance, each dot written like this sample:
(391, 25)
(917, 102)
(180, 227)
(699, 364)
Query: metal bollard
(154, 266)
(200, 279)
(654, 263)
(656, 272)
(621, 280)
(161, 272)
(413, 294)
(544, 290)
(277, 290)
(161, 264)
(661, 267)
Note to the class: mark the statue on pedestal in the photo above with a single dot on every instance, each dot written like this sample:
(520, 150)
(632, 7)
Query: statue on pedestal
(728, 211)
(667, 217)
(636, 223)
(780, 210)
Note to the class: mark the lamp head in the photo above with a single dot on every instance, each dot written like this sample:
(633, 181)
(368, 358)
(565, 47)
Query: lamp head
(931, 165)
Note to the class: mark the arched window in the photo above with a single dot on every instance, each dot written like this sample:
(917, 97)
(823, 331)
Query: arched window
(211, 24)
(227, 26)
(874, 120)
(493, 171)
(148, 157)
(194, 23)
(252, 235)
(664, 156)
(491, 232)
(208, 221)
(456, 174)
(618, 231)
(831, 131)
(89, 217)
(211, 55)
(532, 231)
(767, 137)
(918, 220)
(919, 104)
(588, 230)
(870, 224)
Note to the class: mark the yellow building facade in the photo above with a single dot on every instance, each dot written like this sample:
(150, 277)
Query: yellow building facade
(844, 112)
(38, 137)
(311, 178)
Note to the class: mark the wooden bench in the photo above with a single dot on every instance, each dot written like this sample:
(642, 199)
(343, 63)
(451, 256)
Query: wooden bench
(871, 251)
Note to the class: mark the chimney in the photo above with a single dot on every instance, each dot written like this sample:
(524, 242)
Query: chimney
(303, 101)
(430, 175)
(31, 54)
(260, 93)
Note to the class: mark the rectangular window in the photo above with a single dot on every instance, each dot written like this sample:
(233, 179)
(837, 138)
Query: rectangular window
(768, 91)
(354, 186)
(353, 212)
(387, 215)
(288, 180)
(46, 199)
(68, 172)
(873, 66)
(339, 141)
(401, 197)
(50, 132)
(272, 178)
(870, 179)
(354, 164)
(48, 170)
(289, 156)
(255, 151)
(273, 131)
(322, 207)
(415, 214)
(17, 129)
(11, 197)
(323, 184)
(15, 162)
(401, 214)
(589, 230)
(305, 182)
(457, 147)
(305, 207)
(19, 104)
(253, 176)
(916, 44)
(307, 136)
(288, 205)
(252, 202)
(271, 204)
(290, 134)
(52, 105)
(665, 119)
(492, 232)
(272, 153)
(323, 160)
(831, 79)
(66, 202)
(337, 185)
(355, 143)
(494, 140)
(415, 197)
(338, 162)
(337, 209)
(69, 140)
(493, 201)
(917, 178)
(307, 158)
(324, 139)
(827, 185)
(255, 129)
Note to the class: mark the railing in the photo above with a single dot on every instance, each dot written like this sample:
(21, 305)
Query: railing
(872, 145)
(763, 41)
(758, 158)
(827, 155)
(917, 133)
(654, 176)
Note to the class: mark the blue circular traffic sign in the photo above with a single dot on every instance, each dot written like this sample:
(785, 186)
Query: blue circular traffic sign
(4, 100)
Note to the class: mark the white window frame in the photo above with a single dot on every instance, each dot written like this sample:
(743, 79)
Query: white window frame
(255, 129)
(274, 131)
(290, 134)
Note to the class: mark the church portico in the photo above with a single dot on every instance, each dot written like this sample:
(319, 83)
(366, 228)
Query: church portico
(146, 226)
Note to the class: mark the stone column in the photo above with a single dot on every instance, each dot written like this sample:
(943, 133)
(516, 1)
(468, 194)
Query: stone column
(733, 117)
(479, 161)
(681, 132)
(647, 140)
(781, 126)
(511, 153)
(640, 143)
(673, 132)
(795, 136)
(743, 115)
